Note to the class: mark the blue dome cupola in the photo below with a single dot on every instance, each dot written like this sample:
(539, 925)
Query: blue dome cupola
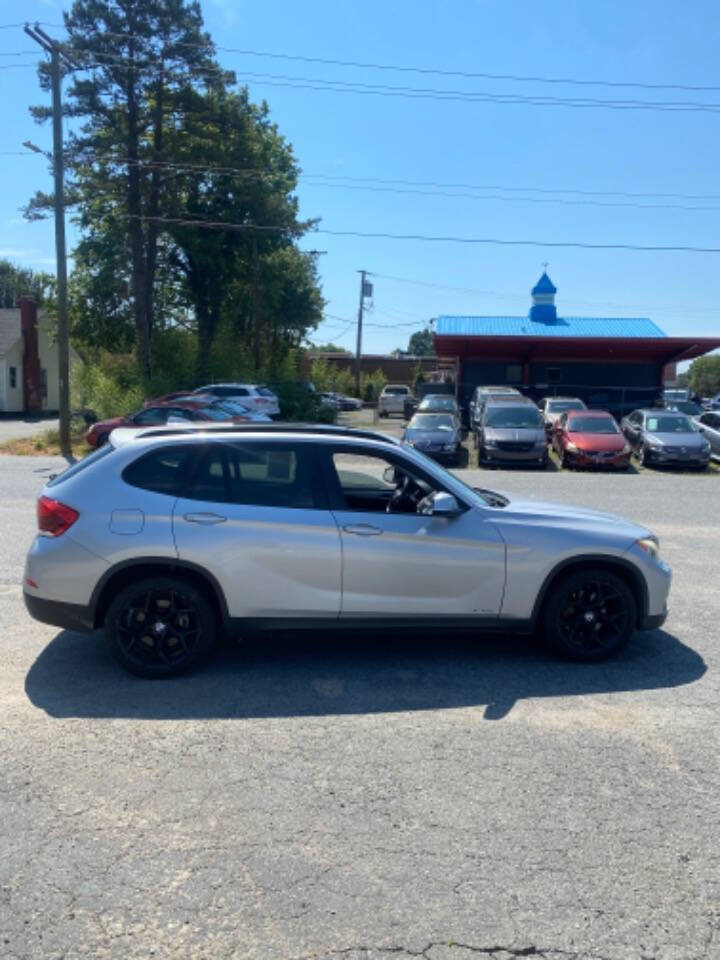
(543, 301)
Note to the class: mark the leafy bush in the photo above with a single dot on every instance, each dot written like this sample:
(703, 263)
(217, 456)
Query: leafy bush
(109, 384)
(371, 385)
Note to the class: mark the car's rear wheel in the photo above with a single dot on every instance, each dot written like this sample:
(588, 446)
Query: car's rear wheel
(160, 627)
(589, 615)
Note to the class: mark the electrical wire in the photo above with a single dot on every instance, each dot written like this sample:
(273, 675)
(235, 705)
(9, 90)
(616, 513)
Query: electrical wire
(429, 238)
(405, 68)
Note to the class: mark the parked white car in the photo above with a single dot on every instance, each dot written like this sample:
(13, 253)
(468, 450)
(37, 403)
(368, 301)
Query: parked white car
(392, 399)
(252, 395)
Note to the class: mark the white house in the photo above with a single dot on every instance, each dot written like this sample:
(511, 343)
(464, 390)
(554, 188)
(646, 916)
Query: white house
(28, 361)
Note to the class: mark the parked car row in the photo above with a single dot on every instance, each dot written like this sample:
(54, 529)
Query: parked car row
(510, 428)
(229, 402)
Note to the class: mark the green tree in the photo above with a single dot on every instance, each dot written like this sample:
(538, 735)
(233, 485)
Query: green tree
(705, 375)
(16, 282)
(421, 343)
(141, 57)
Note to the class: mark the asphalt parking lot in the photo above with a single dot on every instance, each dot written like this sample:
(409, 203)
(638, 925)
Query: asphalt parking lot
(370, 797)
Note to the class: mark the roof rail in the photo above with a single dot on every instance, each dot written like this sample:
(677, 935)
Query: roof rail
(331, 430)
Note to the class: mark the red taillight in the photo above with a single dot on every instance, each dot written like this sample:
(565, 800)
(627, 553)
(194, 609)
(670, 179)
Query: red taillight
(258, 400)
(54, 517)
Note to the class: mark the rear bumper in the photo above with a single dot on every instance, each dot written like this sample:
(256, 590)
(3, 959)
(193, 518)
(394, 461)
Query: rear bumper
(69, 616)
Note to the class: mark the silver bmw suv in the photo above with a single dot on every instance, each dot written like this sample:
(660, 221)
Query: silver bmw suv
(165, 537)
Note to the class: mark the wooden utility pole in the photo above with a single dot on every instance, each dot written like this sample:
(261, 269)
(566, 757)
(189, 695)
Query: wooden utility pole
(53, 48)
(358, 350)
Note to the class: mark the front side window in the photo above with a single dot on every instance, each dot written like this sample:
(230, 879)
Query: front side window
(257, 474)
(371, 483)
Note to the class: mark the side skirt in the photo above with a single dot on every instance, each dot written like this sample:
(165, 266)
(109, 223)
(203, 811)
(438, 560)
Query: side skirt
(423, 624)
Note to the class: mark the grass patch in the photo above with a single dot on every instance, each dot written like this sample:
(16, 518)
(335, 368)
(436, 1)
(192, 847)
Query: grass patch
(46, 444)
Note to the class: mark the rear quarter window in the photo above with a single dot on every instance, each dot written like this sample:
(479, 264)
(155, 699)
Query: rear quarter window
(83, 464)
(164, 470)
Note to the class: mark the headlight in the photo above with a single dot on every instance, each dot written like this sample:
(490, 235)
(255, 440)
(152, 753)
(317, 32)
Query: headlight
(490, 443)
(653, 442)
(448, 447)
(573, 448)
(650, 545)
(705, 447)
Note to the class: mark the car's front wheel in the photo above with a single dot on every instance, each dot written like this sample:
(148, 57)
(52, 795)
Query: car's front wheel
(589, 615)
(160, 627)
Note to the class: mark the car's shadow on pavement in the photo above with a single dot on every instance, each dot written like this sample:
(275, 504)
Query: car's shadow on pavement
(340, 673)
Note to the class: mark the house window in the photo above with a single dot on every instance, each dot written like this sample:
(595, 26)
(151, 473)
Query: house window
(43, 383)
(13, 378)
(513, 373)
(553, 375)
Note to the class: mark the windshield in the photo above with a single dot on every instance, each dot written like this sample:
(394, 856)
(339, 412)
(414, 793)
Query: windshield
(519, 417)
(438, 403)
(669, 425)
(431, 421)
(232, 406)
(216, 413)
(685, 406)
(560, 406)
(592, 425)
(396, 391)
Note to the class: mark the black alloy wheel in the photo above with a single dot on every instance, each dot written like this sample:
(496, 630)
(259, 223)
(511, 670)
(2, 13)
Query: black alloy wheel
(160, 627)
(589, 615)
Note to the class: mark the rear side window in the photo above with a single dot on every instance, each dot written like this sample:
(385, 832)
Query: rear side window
(164, 470)
(260, 475)
(264, 392)
(83, 464)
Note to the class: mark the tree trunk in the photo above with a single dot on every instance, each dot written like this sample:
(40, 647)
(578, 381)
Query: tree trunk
(153, 228)
(256, 306)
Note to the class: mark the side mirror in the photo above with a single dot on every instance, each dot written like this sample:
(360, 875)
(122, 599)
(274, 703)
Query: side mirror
(389, 475)
(440, 504)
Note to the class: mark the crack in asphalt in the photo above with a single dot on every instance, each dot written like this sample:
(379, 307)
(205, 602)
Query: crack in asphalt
(496, 950)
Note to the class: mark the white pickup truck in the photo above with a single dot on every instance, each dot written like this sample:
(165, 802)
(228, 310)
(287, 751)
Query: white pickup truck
(392, 399)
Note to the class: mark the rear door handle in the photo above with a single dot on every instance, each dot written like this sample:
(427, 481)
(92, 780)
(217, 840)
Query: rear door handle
(205, 518)
(362, 530)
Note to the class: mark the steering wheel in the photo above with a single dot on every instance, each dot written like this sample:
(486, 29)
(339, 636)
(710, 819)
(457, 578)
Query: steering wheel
(401, 497)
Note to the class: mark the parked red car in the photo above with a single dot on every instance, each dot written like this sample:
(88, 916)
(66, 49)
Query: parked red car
(590, 438)
(188, 408)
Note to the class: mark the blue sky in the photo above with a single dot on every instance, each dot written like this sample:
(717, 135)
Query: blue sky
(487, 145)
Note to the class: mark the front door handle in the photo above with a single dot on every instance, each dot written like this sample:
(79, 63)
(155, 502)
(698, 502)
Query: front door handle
(362, 530)
(204, 518)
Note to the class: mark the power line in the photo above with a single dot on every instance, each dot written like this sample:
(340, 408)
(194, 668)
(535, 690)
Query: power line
(420, 93)
(138, 64)
(428, 238)
(453, 190)
(433, 71)
(520, 296)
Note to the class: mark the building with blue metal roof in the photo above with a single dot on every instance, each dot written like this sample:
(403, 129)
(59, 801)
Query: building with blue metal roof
(616, 363)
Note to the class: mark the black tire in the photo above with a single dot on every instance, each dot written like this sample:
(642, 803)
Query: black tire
(589, 615)
(564, 462)
(188, 625)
